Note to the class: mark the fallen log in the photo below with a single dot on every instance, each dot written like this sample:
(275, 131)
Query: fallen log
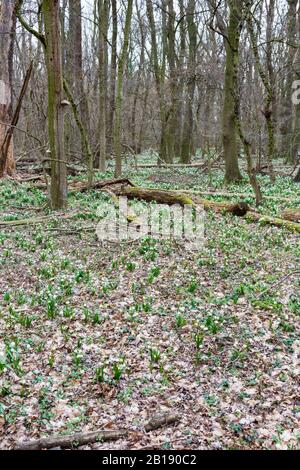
(292, 215)
(171, 165)
(172, 197)
(161, 419)
(70, 441)
(150, 195)
(19, 179)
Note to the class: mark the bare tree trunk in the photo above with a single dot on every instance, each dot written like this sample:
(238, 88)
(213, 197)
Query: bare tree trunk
(159, 74)
(171, 56)
(134, 143)
(232, 172)
(113, 74)
(286, 125)
(103, 28)
(50, 9)
(181, 63)
(7, 35)
(188, 127)
(121, 64)
(143, 120)
(268, 85)
(74, 66)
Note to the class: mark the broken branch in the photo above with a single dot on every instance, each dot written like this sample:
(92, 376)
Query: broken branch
(74, 440)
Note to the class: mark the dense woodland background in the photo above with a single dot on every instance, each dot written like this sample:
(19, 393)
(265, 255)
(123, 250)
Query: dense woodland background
(177, 78)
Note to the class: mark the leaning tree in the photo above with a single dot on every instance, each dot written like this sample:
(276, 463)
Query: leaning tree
(7, 36)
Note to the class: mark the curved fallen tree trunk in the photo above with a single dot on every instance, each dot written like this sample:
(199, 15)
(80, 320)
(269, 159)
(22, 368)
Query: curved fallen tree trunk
(171, 197)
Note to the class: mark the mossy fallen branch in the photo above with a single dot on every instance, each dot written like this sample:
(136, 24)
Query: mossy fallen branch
(82, 187)
(240, 195)
(275, 221)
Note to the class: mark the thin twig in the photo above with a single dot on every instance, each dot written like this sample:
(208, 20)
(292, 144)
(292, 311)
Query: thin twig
(277, 283)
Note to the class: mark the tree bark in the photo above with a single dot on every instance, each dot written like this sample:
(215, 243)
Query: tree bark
(268, 85)
(171, 56)
(74, 67)
(103, 29)
(232, 172)
(113, 75)
(134, 143)
(159, 75)
(187, 137)
(7, 37)
(50, 9)
(119, 97)
(286, 115)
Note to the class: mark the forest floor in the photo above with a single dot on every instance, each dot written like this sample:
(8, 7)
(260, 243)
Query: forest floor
(105, 335)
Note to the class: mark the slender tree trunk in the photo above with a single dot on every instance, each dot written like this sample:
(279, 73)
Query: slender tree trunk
(133, 129)
(159, 74)
(232, 172)
(247, 149)
(143, 120)
(113, 74)
(83, 133)
(121, 65)
(182, 60)
(269, 100)
(7, 36)
(188, 127)
(171, 57)
(271, 103)
(103, 29)
(74, 66)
